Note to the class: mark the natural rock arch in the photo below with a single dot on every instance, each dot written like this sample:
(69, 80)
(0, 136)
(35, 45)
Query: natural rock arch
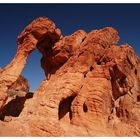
(96, 78)
(40, 29)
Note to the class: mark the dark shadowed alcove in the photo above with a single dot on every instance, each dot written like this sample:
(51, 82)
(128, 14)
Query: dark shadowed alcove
(65, 107)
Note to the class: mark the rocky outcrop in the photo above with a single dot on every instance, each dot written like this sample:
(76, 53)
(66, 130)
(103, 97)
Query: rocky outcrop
(92, 86)
(18, 93)
(21, 84)
(62, 51)
(38, 31)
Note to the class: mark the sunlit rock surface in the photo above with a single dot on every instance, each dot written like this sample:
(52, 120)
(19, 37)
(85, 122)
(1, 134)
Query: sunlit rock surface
(92, 85)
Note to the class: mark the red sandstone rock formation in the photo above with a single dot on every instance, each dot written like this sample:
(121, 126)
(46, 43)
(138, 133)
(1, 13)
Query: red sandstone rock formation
(39, 30)
(21, 84)
(92, 85)
(18, 93)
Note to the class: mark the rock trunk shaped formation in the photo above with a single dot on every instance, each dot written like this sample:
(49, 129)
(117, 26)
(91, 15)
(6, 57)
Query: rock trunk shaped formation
(34, 33)
(92, 85)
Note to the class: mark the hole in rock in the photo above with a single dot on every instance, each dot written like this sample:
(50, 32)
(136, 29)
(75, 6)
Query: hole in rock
(99, 63)
(138, 98)
(33, 71)
(85, 74)
(135, 71)
(91, 68)
(65, 107)
(85, 109)
(14, 107)
(83, 39)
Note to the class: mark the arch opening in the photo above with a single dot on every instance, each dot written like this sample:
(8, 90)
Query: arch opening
(33, 71)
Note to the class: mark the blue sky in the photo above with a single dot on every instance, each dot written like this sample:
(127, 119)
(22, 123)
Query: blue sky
(69, 18)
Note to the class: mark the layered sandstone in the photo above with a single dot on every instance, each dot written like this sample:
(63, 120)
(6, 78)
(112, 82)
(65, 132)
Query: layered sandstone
(92, 85)
(39, 30)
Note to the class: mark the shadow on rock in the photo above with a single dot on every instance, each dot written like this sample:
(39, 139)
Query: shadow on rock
(15, 106)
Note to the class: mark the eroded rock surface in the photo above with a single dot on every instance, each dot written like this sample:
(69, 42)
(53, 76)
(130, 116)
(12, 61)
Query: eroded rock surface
(18, 93)
(92, 85)
(39, 30)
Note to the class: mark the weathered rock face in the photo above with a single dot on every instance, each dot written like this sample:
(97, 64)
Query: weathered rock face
(39, 30)
(18, 93)
(21, 84)
(92, 86)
